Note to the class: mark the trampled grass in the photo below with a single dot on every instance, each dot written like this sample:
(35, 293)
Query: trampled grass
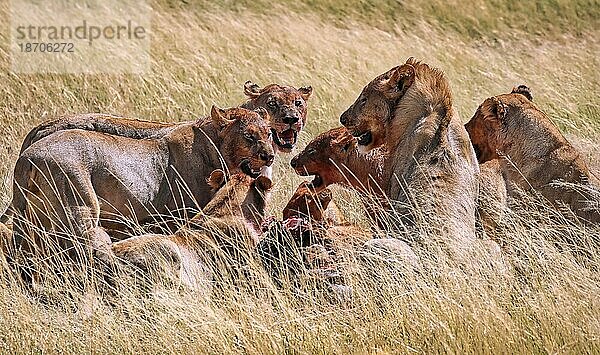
(202, 53)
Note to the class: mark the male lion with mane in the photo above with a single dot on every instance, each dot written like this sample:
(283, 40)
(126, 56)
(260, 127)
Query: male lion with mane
(431, 168)
(532, 152)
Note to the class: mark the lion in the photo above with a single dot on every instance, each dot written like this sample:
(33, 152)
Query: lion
(431, 169)
(222, 237)
(316, 206)
(84, 183)
(532, 153)
(286, 105)
(313, 211)
(306, 242)
(333, 157)
(324, 244)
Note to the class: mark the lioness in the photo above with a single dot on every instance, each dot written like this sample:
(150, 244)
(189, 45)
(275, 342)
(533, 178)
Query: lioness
(76, 182)
(532, 152)
(431, 166)
(285, 104)
(305, 243)
(334, 158)
(316, 206)
(223, 234)
(323, 219)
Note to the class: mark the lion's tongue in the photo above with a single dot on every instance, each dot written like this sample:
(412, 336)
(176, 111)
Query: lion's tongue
(287, 136)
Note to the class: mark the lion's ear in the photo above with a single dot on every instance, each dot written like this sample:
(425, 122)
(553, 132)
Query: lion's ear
(305, 92)
(216, 179)
(344, 140)
(496, 109)
(401, 78)
(397, 81)
(251, 90)
(219, 117)
(263, 113)
(263, 183)
(523, 90)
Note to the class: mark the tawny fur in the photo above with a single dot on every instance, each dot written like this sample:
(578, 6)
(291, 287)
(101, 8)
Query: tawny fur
(223, 235)
(333, 157)
(84, 179)
(325, 217)
(316, 206)
(533, 154)
(285, 108)
(431, 166)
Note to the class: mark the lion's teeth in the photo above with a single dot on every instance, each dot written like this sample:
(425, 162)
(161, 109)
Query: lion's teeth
(267, 171)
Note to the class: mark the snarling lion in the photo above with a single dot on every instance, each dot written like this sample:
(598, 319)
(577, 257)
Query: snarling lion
(334, 158)
(83, 183)
(286, 105)
(533, 153)
(431, 168)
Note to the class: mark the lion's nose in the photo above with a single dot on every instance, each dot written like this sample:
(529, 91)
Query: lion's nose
(294, 162)
(267, 158)
(290, 119)
(344, 119)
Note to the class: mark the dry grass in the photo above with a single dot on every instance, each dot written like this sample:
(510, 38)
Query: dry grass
(202, 54)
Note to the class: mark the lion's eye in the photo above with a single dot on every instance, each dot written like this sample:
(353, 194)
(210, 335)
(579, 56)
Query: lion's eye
(363, 100)
(298, 103)
(272, 104)
(249, 137)
(311, 151)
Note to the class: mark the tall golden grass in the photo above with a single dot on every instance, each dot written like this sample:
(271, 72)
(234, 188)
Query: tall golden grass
(202, 53)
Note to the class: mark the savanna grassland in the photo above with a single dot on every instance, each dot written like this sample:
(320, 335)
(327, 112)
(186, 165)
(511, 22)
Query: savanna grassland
(203, 52)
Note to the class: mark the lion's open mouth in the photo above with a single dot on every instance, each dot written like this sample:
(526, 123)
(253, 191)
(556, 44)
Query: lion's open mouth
(286, 139)
(247, 169)
(363, 138)
(316, 182)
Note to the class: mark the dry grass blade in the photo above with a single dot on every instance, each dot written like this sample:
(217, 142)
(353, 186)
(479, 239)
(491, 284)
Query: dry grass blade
(545, 300)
